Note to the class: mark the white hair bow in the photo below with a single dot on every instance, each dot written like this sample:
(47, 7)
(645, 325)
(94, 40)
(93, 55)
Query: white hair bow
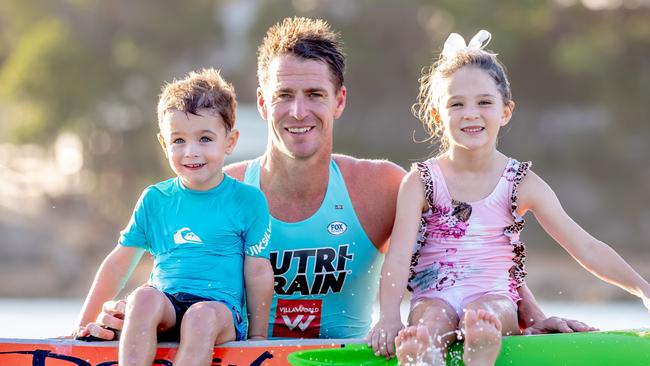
(455, 43)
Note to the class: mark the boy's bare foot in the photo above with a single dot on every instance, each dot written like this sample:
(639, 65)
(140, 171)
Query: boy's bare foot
(414, 347)
(482, 332)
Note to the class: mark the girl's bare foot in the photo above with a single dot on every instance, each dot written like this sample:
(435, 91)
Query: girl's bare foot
(482, 332)
(415, 347)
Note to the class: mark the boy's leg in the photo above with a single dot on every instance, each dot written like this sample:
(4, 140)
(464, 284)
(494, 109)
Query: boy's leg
(205, 324)
(148, 311)
(432, 328)
(484, 322)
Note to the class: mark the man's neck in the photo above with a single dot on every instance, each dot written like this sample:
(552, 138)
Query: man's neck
(294, 188)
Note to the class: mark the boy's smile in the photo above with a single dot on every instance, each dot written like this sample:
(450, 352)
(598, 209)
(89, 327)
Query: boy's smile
(196, 146)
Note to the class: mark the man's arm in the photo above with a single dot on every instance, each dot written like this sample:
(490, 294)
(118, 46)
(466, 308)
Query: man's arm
(258, 276)
(373, 186)
(532, 319)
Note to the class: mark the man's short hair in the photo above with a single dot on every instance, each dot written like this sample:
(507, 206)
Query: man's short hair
(204, 89)
(311, 39)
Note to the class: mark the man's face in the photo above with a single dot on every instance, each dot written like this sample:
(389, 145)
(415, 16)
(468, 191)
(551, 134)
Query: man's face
(300, 103)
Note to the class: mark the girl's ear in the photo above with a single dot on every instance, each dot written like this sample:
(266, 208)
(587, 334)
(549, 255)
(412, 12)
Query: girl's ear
(437, 120)
(508, 109)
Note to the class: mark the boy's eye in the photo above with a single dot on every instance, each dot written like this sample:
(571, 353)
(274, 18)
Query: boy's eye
(315, 95)
(485, 102)
(205, 139)
(178, 141)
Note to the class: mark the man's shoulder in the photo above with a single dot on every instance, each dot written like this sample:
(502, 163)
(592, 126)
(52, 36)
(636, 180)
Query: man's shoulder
(237, 170)
(380, 171)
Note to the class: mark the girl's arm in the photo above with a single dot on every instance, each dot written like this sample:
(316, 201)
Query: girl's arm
(111, 277)
(595, 256)
(258, 277)
(395, 271)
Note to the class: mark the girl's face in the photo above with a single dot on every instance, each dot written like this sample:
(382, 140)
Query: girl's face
(471, 110)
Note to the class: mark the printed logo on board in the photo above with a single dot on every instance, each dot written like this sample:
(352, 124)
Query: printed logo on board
(186, 236)
(337, 228)
(297, 318)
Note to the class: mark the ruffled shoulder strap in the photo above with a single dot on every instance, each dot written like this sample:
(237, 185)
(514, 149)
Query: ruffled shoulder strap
(426, 175)
(515, 174)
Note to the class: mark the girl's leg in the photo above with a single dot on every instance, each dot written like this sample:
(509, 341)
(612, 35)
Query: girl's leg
(147, 311)
(204, 324)
(432, 327)
(484, 322)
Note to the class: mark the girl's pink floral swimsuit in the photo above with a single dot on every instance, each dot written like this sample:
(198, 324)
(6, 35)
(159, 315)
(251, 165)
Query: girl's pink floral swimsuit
(468, 249)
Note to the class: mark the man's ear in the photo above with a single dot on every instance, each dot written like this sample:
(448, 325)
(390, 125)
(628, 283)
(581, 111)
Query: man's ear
(231, 141)
(261, 103)
(341, 98)
(508, 109)
(163, 144)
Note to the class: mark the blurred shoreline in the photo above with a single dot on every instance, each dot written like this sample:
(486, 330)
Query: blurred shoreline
(50, 317)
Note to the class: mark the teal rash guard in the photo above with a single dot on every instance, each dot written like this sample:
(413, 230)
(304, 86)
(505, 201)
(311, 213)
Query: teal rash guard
(326, 268)
(198, 239)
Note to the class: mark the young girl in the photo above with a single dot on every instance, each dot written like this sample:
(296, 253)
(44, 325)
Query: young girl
(460, 213)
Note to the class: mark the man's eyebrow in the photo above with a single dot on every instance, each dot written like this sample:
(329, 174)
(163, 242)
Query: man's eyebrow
(321, 90)
(283, 90)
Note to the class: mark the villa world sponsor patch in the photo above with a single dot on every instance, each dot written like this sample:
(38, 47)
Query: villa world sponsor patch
(297, 318)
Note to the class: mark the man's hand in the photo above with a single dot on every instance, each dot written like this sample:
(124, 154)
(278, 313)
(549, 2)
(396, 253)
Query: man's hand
(110, 320)
(556, 324)
(382, 336)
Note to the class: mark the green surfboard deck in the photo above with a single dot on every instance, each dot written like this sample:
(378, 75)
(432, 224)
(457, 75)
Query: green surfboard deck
(625, 347)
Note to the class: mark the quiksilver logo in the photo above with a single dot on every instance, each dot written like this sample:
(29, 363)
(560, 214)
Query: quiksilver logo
(186, 236)
(337, 228)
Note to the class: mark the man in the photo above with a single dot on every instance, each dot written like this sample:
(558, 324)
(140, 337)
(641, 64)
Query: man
(331, 214)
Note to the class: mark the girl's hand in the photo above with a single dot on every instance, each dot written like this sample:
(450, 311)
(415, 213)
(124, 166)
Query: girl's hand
(382, 336)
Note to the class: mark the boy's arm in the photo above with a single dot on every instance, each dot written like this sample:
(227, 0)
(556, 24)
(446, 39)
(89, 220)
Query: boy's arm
(258, 278)
(592, 254)
(111, 277)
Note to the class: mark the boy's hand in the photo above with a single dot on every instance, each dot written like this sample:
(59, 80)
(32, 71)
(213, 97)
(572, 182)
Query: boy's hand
(256, 338)
(382, 336)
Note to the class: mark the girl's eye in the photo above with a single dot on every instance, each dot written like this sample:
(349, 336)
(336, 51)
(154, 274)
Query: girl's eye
(485, 102)
(205, 139)
(457, 104)
(178, 141)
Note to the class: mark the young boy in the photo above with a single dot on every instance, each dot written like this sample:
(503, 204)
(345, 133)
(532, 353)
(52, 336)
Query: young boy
(207, 232)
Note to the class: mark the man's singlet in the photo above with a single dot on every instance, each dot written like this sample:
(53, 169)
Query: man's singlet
(326, 268)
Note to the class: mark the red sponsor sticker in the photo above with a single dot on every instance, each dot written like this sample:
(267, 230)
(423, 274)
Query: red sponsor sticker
(297, 318)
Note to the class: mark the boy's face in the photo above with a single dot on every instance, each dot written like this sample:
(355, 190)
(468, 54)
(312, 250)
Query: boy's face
(196, 146)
